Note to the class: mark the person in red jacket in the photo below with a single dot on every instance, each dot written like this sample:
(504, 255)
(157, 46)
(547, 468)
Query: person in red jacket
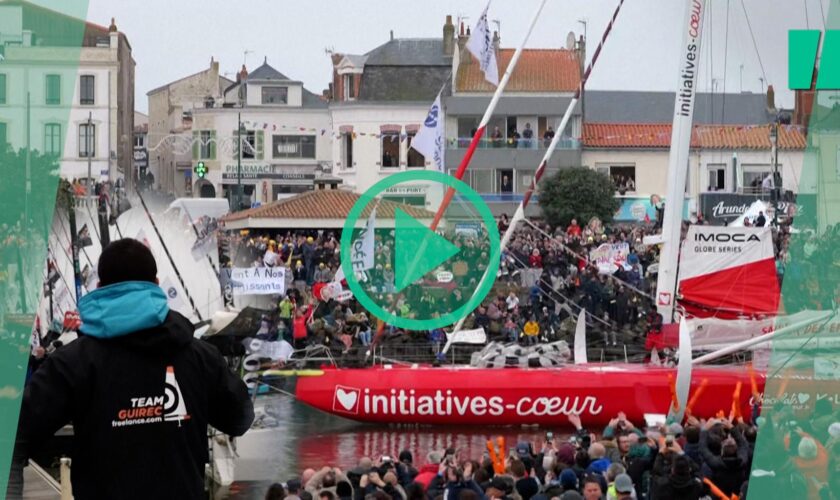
(428, 472)
(573, 229)
(299, 330)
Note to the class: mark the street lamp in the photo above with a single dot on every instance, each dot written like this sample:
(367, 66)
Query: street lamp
(238, 196)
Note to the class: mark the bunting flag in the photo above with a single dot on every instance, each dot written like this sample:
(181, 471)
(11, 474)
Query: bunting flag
(481, 47)
(429, 140)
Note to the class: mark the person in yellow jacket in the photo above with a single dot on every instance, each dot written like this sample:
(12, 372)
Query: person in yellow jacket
(531, 331)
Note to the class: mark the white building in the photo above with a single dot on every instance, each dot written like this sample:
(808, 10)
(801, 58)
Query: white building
(627, 135)
(285, 135)
(379, 102)
(170, 126)
(84, 113)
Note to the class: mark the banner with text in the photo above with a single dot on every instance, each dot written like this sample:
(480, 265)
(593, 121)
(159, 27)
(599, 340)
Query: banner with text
(255, 280)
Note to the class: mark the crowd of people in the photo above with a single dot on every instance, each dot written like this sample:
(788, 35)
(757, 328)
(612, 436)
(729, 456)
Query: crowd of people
(546, 276)
(626, 460)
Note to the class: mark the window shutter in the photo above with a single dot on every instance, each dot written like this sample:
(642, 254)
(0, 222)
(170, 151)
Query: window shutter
(260, 145)
(212, 145)
(196, 144)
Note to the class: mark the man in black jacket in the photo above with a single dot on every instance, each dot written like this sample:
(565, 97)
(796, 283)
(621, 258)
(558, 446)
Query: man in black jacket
(138, 387)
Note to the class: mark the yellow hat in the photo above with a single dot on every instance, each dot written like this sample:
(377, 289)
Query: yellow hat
(299, 263)
(387, 266)
(321, 265)
(310, 239)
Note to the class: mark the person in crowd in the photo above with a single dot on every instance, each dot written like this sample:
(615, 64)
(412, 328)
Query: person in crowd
(131, 342)
(592, 488)
(548, 136)
(525, 483)
(528, 136)
(531, 331)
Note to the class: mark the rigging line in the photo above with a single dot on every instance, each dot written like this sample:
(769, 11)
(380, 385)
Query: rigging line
(71, 239)
(807, 21)
(822, 13)
(169, 256)
(802, 346)
(725, 57)
(755, 45)
(583, 257)
(70, 259)
(711, 70)
(567, 299)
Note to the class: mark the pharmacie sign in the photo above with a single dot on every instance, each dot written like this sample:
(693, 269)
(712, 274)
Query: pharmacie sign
(265, 171)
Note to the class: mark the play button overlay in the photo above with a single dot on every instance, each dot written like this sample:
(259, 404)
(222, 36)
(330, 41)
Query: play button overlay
(408, 275)
(418, 250)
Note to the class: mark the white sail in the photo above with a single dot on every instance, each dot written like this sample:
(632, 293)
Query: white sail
(678, 160)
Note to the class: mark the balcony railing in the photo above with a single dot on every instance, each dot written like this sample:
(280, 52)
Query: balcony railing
(510, 143)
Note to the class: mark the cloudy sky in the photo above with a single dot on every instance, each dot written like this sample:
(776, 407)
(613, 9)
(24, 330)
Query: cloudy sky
(174, 38)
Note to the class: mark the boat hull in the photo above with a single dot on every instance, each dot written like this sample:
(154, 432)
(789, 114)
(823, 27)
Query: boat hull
(518, 396)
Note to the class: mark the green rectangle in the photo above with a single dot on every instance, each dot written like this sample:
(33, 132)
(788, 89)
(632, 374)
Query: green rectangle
(2, 88)
(802, 54)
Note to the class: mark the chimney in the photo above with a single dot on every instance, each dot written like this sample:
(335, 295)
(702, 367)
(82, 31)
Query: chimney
(771, 97)
(448, 37)
(242, 75)
(392, 35)
(468, 31)
(214, 65)
(461, 31)
(113, 27)
(496, 40)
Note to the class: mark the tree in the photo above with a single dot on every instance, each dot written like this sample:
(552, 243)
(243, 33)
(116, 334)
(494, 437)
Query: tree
(577, 193)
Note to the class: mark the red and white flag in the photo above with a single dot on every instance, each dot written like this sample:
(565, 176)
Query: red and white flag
(481, 47)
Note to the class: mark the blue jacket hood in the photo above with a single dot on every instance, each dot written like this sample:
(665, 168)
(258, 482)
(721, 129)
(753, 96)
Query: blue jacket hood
(122, 308)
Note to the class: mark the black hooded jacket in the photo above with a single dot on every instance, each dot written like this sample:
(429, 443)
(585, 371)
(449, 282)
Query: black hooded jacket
(140, 405)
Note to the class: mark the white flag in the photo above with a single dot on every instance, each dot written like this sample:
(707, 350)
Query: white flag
(481, 47)
(429, 139)
(362, 258)
(173, 296)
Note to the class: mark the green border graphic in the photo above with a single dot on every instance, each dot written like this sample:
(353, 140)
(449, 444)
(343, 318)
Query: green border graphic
(30, 176)
(487, 281)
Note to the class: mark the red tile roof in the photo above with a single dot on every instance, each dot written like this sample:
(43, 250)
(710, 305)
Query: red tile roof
(658, 135)
(323, 204)
(538, 70)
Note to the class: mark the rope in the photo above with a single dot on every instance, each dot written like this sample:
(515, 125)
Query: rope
(725, 56)
(582, 257)
(755, 45)
(568, 300)
(168, 255)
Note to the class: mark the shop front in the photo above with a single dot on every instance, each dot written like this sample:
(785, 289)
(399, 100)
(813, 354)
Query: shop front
(266, 182)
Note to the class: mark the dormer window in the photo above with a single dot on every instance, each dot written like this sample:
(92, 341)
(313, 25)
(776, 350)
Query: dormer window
(275, 95)
(349, 87)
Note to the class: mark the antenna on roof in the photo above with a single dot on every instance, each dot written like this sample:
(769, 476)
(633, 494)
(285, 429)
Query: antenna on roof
(498, 24)
(584, 21)
(329, 50)
(245, 56)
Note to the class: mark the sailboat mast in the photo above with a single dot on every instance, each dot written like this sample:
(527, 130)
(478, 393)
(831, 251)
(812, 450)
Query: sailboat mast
(678, 161)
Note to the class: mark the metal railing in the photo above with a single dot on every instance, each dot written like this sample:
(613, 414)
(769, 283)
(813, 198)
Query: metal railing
(534, 143)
